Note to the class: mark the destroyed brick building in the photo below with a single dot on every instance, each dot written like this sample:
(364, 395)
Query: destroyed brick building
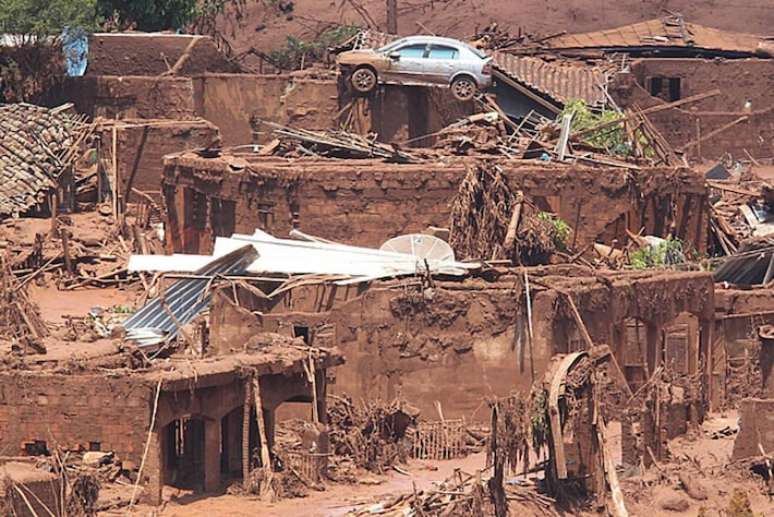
(199, 402)
(223, 280)
(207, 198)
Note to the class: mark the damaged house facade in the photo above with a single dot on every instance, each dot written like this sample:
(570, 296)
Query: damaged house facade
(289, 284)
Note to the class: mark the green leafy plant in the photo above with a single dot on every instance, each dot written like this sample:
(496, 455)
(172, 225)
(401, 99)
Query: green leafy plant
(560, 229)
(538, 418)
(612, 138)
(36, 19)
(739, 505)
(298, 52)
(666, 253)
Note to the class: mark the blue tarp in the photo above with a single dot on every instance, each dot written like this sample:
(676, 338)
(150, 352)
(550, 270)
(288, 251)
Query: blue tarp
(75, 45)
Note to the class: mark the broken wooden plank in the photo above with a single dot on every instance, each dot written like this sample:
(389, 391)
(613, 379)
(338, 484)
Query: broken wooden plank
(557, 385)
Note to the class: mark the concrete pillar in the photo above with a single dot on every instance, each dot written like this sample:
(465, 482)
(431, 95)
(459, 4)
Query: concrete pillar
(211, 455)
(153, 470)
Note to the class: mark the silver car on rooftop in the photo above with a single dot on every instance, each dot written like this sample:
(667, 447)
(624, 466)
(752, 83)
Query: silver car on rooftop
(419, 61)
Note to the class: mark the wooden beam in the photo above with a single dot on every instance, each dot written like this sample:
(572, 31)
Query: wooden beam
(266, 489)
(715, 132)
(557, 384)
(652, 109)
(579, 322)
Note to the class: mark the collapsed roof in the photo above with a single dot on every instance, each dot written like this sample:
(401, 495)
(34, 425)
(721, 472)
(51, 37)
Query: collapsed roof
(37, 145)
(670, 34)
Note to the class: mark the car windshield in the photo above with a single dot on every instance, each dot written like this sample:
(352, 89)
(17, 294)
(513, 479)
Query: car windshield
(390, 46)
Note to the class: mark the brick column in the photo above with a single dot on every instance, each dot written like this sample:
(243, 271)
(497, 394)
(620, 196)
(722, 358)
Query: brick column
(212, 455)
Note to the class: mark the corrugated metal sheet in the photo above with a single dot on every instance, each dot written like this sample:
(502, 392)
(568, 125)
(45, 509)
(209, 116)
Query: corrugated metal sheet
(669, 31)
(186, 298)
(560, 80)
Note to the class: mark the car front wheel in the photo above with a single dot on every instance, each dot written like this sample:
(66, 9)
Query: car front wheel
(363, 80)
(463, 88)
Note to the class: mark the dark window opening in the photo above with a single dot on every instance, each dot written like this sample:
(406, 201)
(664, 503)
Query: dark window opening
(656, 85)
(95, 446)
(666, 88)
(36, 448)
(199, 210)
(674, 89)
(302, 332)
(223, 217)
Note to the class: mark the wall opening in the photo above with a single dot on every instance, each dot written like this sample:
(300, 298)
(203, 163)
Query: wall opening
(633, 352)
(302, 332)
(666, 88)
(183, 452)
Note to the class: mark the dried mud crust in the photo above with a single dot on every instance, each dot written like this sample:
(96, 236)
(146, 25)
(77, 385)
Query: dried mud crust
(265, 27)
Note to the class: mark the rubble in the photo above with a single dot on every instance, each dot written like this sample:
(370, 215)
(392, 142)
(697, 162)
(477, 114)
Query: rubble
(541, 301)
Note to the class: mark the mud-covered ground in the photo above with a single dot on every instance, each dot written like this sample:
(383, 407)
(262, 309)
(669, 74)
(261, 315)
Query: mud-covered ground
(707, 459)
(265, 27)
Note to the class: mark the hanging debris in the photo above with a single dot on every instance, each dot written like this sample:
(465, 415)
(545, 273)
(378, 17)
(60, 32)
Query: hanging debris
(489, 221)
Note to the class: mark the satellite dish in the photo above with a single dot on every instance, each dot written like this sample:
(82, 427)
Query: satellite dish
(420, 246)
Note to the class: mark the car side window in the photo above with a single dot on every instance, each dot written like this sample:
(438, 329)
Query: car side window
(442, 52)
(413, 51)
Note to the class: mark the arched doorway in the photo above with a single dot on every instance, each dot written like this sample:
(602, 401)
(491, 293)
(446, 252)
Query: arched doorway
(183, 453)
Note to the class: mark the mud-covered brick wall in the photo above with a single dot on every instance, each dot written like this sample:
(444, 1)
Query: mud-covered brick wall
(232, 101)
(738, 316)
(366, 202)
(458, 347)
(740, 81)
(123, 97)
(154, 54)
(73, 410)
(756, 428)
(142, 145)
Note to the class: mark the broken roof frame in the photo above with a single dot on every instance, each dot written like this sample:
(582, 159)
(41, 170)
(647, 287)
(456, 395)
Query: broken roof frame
(160, 320)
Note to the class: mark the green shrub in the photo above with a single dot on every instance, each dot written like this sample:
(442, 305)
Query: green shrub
(666, 253)
(560, 230)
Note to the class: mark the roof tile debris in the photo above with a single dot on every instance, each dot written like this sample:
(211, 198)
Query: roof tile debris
(669, 31)
(36, 146)
(561, 80)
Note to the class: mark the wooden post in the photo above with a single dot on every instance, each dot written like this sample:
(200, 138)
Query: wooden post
(265, 457)
(392, 16)
(115, 170)
(246, 436)
(65, 236)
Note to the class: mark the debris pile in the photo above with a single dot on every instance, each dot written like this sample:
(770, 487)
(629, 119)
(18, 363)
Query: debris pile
(39, 148)
(20, 320)
(373, 436)
(333, 144)
(491, 222)
(742, 213)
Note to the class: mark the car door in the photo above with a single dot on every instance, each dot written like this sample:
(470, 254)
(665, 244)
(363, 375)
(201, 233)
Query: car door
(441, 63)
(407, 64)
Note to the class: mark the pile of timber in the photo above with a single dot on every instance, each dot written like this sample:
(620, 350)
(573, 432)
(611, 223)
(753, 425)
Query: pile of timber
(20, 319)
(331, 144)
(38, 147)
(739, 213)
